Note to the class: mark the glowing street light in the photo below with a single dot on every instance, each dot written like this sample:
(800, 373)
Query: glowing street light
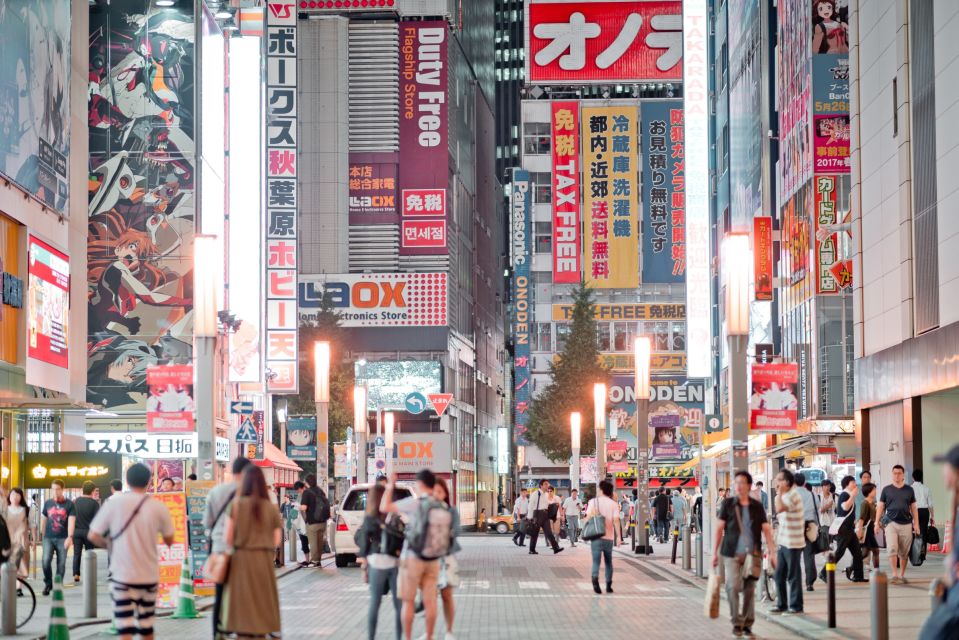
(321, 396)
(599, 426)
(575, 425)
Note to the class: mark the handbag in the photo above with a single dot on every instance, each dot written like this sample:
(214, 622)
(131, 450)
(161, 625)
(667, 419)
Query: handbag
(752, 562)
(917, 551)
(595, 527)
(932, 535)
(217, 565)
(711, 606)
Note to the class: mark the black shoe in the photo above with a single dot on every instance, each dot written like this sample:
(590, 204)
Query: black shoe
(848, 573)
(777, 610)
(47, 590)
(596, 585)
(557, 550)
(859, 580)
(809, 587)
(822, 576)
(305, 563)
(747, 632)
(419, 607)
(795, 612)
(19, 593)
(609, 587)
(534, 553)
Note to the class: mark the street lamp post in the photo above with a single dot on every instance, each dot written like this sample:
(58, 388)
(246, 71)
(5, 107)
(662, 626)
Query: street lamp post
(359, 428)
(737, 260)
(388, 438)
(641, 388)
(204, 338)
(599, 426)
(282, 416)
(321, 395)
(575, 424)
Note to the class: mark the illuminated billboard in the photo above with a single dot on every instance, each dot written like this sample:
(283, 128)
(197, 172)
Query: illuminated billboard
(388, 382)
(48, 309)
(376, 299)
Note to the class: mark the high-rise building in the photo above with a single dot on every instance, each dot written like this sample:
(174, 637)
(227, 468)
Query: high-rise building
(509, 69)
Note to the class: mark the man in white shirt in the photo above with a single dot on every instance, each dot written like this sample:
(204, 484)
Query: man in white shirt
(923, 503)
(791, 539)
(539, 516)
(520, 511)
(572, 507)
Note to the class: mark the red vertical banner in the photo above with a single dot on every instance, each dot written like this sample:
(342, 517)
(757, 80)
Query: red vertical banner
(763, 256)
(565, 144)
(773, 402)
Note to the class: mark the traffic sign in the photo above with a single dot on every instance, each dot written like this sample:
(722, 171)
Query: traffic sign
(415, 403)
(380, 441)
(440, 402)
(242, 408)
(714, 423)
(247, 432)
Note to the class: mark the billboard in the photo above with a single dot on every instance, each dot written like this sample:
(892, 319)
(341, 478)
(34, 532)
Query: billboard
(35, 98)
(372, 185)
(389, 381)
(415, 451)
(566, 166)
(763, 257)
(301, 438)
(376, 299)
(424, 146)
(170, 403)
(773, 402)
(48, 309)
(150, 446)
(610, 197)
(625, 311)
(142, 198)
(833, 273)
(590, 42)
(830, 102)
(664, 192)
(521, 243)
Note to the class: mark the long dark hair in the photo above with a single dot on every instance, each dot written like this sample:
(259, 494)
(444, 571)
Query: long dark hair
(373, 499)
(23, 499)
(446, 489)
(254, 486)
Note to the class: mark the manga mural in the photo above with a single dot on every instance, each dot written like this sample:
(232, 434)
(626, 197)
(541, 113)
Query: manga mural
(35, 97)
(141, 198)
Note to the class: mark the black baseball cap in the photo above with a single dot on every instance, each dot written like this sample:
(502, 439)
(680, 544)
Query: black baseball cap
(952, 457)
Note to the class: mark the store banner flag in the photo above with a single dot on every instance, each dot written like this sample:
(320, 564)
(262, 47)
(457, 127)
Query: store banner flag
(341, 460)
(171, 557)
(521, 251)
(196, 493)
(566, 211)
(588, 473)
(301, 438)
(170, 403)
(773, 403)
(664, 192)
(830, 88)
(832, 274)
(763, 257)
(616, 460)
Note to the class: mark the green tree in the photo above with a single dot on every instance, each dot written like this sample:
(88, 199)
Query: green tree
(574, 373)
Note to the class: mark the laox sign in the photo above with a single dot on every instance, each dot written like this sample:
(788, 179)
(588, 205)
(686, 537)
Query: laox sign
(366, 295)
(415, 450)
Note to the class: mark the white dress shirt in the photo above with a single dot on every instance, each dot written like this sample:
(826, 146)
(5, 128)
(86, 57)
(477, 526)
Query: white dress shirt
(521, 508)
(922, 495)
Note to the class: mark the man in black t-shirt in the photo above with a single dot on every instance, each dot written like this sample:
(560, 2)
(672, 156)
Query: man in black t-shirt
(60, 519)
(898, 502)
(662, 507)
(85, 507)
(316, 511)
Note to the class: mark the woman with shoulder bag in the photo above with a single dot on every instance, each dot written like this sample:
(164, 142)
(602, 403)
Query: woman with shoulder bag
(449, 567)
(864, 529)
(380, 544)
(602, 509)
(742, 523)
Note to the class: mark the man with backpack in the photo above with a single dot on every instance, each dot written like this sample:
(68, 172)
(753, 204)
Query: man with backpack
(316, 511)
(429, 534)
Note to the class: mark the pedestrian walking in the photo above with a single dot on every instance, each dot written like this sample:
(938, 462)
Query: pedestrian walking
(811, 528)
(539, 510)
(449, 566)
(214, 521)
(86, 508)
(18, 525)
(481, 521)
(923, 503)
(552, 511)
(602, 548)
(379, 547)
(680, 509)
(316, 512)
(897, 502)
(299, 524)
(864, 477)
(698, 510)
(60, 520)
(253, 531)
(429, 531)
(128, 525)
(864, 527)
(827, 505)
(520, 514)
(661, 508)
(572, 507)
(791, 541)
(844, 530)
(742, 523)
(763, 497)
(944, 621)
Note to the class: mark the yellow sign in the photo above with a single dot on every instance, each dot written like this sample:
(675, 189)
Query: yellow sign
(41, 472)
(625, 311)
(610, 197)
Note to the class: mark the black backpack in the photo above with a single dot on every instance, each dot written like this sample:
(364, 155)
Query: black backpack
(321, 506)
(5, 542)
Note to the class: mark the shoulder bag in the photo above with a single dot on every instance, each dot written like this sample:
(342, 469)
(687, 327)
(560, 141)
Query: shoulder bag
(753, 561)
(112, 538)
(595, 526)
(217, 565)
(821, 543)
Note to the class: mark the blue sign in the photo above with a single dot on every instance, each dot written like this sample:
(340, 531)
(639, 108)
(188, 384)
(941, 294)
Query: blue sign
(301, 438)
(246, 434)
(416, 403)
(664, 195)
(521, 249)
(242, 408)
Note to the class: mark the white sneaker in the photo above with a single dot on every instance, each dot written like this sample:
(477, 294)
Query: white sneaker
(449, 636)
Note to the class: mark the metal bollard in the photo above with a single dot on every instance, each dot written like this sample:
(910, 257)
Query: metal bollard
(831, 593)
(937, 593)
(672, 559)
(89, 583)
(8, 599)
(687, 549)
(880, 606)
(700, 567)
(292, 537)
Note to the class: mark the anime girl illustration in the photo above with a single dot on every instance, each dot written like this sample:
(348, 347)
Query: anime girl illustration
(830, 31)
(119, 365)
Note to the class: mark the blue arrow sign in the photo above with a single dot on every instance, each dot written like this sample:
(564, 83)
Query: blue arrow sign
(247, 432)
(242, 408)
(416, 403)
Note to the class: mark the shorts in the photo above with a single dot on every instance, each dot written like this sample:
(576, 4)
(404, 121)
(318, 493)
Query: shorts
(416, 574)
(899, 539)
(449, 572)
(133, 602)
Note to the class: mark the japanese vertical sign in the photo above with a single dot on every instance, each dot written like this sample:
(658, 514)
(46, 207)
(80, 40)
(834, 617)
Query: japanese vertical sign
(830, 102)
(170, 403)
(833, 273)
(196, 493)
(565, 143)
(301, 438)
(610, 198)
(773, 403)
(171, 558)
(520, 229)
(664, 192)
(763, 256)
(424, 146)
(372, 184)
(281, 199)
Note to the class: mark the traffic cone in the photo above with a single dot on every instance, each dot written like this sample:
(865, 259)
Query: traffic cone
(58, 629)
(185, 604)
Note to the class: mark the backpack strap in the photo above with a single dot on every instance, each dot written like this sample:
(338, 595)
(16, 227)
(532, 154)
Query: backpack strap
(129, 520)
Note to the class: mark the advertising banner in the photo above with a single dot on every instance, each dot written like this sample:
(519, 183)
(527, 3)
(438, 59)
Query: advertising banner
(659, 362)
(566, 216)
(170, 403)
(150, 446)
(415, 451)
(833, 273)
(196, 493)
(591, 42)
(73, 467)
(588, 473)
(48, 308)
(773, 402)
(610, 197)
(301, 438)
(616, 456)
(664, 192)
(625, 311)
(171, 558)
(341, 461)
(390, 381)
(373, 184)
(424, 147)
(763, 257)
(377, 299)
(281, 199)
(521, 250)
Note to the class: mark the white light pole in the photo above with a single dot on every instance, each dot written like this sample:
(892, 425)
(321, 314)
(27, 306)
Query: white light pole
(282, 416)
(575, 425)
(321, 395)
(641, 389)
(205, 270)
(388, 438)
(360, 428)
(599, 426)
(737, 261)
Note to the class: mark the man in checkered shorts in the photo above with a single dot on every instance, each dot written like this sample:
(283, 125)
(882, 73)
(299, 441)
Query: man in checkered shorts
(128, 524)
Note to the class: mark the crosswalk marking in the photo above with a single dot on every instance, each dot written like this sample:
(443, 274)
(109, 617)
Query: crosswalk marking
(534, 585)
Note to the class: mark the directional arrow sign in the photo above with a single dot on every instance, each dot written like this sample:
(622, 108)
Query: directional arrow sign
(440, 402)
(247, 432)
(415, 403)
(242, 408)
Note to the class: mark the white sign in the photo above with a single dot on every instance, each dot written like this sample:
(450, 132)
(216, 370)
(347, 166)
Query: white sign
(222, 451)
(376, 299)
(151, 446)
(415, 451)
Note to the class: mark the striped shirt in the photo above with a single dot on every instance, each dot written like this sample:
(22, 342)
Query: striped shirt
(792, 524)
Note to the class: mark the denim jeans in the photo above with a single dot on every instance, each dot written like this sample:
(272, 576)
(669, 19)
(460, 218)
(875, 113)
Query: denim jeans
(49, 546)
(602, 547)
(789, 573)
(572, 528)
(380, 579)
(736, 586)
(79, 544)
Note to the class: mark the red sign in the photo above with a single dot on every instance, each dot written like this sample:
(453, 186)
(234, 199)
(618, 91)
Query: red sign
(424, 202)
(373, 188)
(846, 461)
(773, 404)
(842, 272)
(763, 256)
(440, 401)
(170, 403)
(590, 42)
(48, 303)
(424, 234)
(565, 144)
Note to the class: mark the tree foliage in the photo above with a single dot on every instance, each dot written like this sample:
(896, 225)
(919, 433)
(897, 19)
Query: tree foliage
(574, 373)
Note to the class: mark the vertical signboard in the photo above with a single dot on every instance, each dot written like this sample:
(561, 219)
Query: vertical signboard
(664, 192)
(763, 257)
(610, 198)
(833, 272)
(301, 438)
(773, 403)
(196, 493)
(424, 146)
(48, 310)
(281, 198)
(830, 109)
(171, 557)
(372, 184)
(697, 249)
(521, 250)
(170, 403)
(565, 144)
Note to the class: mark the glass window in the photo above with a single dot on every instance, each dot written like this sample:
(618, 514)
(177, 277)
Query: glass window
(536, 138)
(679, 336)
(661, 337)
(544, 244)
(544, 336)
(542, 191)
(562, 333)
(602, 334)
(621, 336)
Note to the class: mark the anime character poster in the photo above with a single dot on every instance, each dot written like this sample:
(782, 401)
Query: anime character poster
(141, 198)
(35, 97)
(773, 402)
(830, 26)
(616, 461)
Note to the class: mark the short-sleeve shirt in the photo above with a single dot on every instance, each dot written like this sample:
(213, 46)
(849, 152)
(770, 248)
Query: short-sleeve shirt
(898, 501)
(792, 524)
(572, 507)
(732, 541)
(923, 499)
(57, 515)
(86, 509)
(609, 509)
(661, 504)
(846, 516)
(133, 555)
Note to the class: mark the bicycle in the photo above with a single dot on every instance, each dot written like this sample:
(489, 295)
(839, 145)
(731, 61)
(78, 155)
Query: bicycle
(26, 602)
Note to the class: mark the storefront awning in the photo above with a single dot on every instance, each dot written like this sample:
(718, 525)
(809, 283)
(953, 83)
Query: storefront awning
(276, 459)
(786, 447)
